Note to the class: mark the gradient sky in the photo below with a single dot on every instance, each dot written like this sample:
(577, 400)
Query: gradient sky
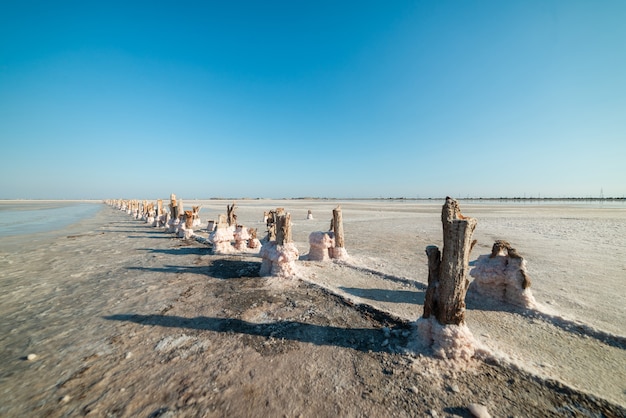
(322, 98)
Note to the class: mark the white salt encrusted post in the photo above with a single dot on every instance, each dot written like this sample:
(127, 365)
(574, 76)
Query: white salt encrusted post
(185, 229)
(309, 215)
(172, 225)
(222, 237)
(442, 325)
(160, 218)
(196, 215)
(253, 241)
(279, 256)
(150, 214)
(502, 275)
(241, 236)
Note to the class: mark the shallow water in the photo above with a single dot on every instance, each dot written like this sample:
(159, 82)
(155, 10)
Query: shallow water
(22, 218)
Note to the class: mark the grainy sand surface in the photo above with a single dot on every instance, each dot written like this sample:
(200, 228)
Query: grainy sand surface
(126, 320)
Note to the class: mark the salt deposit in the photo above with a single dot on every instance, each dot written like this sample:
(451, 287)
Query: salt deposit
(60, 287)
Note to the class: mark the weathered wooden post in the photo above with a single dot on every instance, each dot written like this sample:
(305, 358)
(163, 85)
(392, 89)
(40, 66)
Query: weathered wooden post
(279, 256)
(173, 206)
(283, 227)
(339, 250)
(230, 214)
(270, 222)
(309, 215)
(159, 218)
(443, 320)
(181, 209)
(241, 238)
(253, 241)
(188, 219)
(185, 228)
(175, 215)
(222, 236)
(196, 215)
(448, 302)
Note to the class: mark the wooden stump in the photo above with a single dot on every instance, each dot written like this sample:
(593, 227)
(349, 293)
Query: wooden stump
(230, 214)
(188, 219)
(283, 227)
(159, 207)
(173, 206)
(270, 222)
(181, 209)
(338, 227)
(447, 273)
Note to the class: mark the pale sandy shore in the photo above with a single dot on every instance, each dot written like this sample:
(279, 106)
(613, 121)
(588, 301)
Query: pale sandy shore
(126, 320)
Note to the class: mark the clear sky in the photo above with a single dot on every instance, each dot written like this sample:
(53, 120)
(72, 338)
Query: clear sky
(107, 99)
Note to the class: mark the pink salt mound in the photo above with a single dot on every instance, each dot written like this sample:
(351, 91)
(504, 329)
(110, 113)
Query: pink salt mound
(500, 278)
(221, 239)
(320, 245)
(454, 342)
(339, 253)
(278, 260)
(241, 236)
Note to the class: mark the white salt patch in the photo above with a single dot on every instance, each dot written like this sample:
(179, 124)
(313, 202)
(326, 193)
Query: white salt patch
(454, 342)
(171, 343)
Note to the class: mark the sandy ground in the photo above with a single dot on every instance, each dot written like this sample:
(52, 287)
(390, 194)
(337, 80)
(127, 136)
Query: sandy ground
(126, 320)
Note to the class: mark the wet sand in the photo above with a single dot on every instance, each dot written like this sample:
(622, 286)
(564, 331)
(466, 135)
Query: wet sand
(126, 320)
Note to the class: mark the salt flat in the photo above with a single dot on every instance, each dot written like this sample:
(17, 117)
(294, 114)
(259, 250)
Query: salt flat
(125, 319)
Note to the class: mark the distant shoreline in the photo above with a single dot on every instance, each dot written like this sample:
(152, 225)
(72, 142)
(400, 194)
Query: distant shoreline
(412, 199)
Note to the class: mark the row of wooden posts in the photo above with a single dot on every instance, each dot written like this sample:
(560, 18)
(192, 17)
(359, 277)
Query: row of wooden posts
(278, 221)
(447, 268)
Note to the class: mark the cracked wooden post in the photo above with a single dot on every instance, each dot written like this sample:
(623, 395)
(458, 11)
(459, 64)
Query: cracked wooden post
(448, 290)
(442, 324)
(188, 219)
(231, 216)
(173, 206)
(270, 222)
(181, 210)
(338, 227)
(434, 263)
(279, 256)
(283, 227)
(338, 251)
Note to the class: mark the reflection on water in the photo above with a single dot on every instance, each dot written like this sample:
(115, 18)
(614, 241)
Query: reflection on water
(21, 218)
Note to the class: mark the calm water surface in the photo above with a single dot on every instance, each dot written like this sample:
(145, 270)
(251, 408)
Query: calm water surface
(22, 218)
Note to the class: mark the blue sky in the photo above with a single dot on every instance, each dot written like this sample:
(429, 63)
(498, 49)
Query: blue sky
(324, 98)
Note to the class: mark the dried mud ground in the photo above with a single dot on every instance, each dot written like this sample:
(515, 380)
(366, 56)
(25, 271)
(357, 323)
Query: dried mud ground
(126, 320)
